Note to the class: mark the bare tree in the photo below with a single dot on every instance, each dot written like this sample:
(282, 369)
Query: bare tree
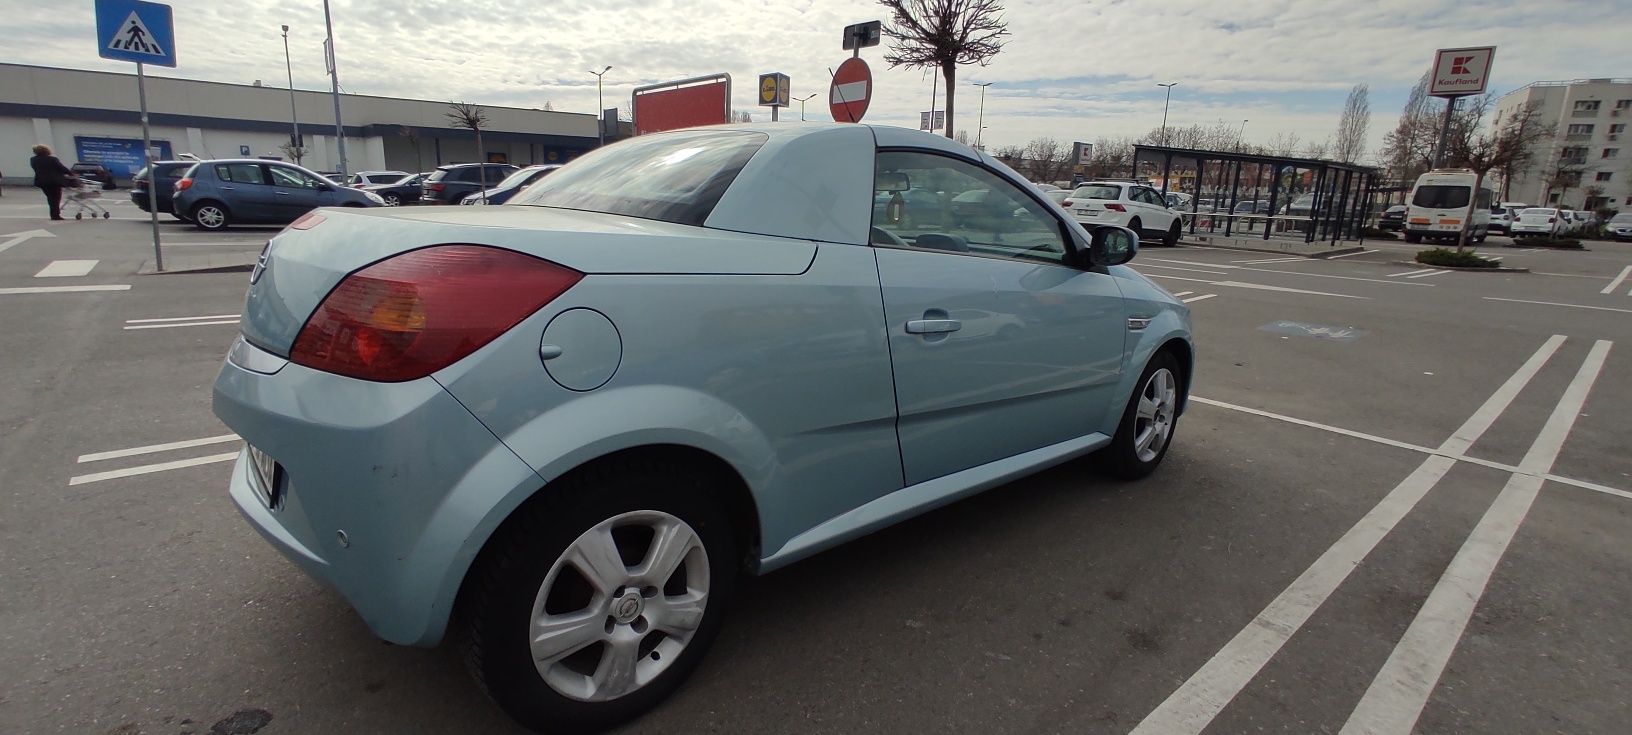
(1284, 144)
(742, 116)
(411, 135)
(1112, 157)
(293, 152)
(1408, 148)
(1317, 149)
(1047, 159)
(941, 34)
(1513, 139)
(1352, 126)
(473, 118)
(549, 106)
(1010, 154)
(962, 137)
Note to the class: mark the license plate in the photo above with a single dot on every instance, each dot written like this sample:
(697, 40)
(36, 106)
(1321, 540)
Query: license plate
(1088, 212)
(264, 478)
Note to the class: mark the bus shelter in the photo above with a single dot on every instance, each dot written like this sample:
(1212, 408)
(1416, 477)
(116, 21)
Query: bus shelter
(1243, 195)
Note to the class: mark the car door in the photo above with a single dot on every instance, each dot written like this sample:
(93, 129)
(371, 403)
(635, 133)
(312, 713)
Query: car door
(295, 192)
(243, 188)
(998, 346)
(1160, 215)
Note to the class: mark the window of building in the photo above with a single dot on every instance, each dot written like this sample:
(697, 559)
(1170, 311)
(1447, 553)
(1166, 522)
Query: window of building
(1623, 104)
(1581, 129)
(1573, 154)
(1611, 152)
(1605, 175)
(1617, 128)
(1586, 106)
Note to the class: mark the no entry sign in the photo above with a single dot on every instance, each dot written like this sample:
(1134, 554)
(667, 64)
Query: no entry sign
(852, 89)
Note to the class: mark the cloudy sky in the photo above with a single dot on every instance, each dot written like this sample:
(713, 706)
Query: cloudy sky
(1071, 70)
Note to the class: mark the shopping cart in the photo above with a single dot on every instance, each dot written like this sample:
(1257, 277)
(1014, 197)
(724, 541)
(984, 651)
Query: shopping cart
(82, 196)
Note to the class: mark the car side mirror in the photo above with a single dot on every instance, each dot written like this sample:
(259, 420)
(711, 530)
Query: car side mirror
(1112, 246)
(325, 187)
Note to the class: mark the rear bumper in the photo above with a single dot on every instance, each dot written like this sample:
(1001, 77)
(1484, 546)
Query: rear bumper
(400, 470)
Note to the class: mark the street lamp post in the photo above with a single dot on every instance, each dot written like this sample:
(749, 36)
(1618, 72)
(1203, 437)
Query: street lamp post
(1168, 98)
(802, 101)
(294, 118)
(600, 122)
(334, 79)
(980, 121)
(1241, 140)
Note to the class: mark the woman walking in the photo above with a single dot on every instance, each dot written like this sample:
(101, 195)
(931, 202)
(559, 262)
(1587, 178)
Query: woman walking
(50, 176)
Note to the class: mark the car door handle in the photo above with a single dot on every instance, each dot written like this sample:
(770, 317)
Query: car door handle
(229, 188)
(933, 326)
(280, 193)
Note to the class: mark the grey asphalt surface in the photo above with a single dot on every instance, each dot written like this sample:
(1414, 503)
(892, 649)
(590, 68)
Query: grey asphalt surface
(1059, 603)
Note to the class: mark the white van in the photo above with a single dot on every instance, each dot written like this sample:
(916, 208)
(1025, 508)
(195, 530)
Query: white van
(1439, 202)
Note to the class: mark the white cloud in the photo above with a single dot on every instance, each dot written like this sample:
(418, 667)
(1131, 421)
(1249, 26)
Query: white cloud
(1070, 70)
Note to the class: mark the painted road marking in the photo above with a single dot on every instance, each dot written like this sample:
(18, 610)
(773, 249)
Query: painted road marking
(1407, 273)
(1270, 260)
(1269, 270)
(181, 319)
(67, 269)
(1184, 293)
(1202, 297)
(1191, 262)
(1627, 271)
(1174, 268)
(1284, 289)
(1401, 689)
(1201, 697)
(1345, 255)
(1429, 274)
(19, 237)
(152, 448)
(169, 325)
(1583, 484)
(151, 468)
(1555, 303)
(63, 289)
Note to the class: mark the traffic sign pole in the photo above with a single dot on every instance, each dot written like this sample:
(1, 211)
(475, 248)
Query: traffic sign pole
(152, 179)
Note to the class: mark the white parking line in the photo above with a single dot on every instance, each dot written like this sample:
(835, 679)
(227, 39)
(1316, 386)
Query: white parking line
(1627, 271)
(67, 268)
(151, 468)
(1284, 289)
(181, 319)
(182, 324)
(1191, 262)
(1346, 255)
(1201, 697)
(1202, 297)
(1270, 260)
(1182, 294)
(1555, 303)
(151, 448)
(63, 289)
(1429, 274)
(1401, 689)
(1174, 268)
(1407, 273)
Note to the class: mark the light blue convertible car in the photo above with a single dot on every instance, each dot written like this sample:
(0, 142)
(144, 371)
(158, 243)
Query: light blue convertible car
(576, 421)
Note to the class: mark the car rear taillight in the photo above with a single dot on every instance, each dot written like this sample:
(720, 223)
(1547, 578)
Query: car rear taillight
(1114, 207)
(140, 184)
(410, 315)
(1551, 220)
(1065, 202)
(184, 184)
(436, 187)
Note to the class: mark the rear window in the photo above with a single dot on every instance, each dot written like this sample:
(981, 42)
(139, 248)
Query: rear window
(672, 177)
(1098, 191)
(1621, 219)
(438, 175)
(1539, 212)
(1439, 196)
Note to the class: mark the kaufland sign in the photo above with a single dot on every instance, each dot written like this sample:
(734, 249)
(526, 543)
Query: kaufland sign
(1461, 71)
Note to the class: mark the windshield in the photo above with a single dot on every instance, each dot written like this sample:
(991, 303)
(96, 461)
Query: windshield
(521, 177)
(1439, 196)
(1097, 191)
(673, 177)
(409, 179)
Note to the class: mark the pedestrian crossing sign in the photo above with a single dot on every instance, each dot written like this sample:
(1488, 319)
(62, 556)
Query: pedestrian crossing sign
(134, 30)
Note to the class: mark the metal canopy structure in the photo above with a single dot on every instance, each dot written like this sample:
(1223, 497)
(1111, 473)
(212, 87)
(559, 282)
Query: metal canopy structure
(1309, 198)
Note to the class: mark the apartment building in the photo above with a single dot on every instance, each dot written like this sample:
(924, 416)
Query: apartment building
(1590, 149)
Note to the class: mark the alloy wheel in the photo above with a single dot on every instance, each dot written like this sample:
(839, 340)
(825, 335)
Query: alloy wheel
(1153, 419)
(392, 200)
(619, 605)
(210, 216)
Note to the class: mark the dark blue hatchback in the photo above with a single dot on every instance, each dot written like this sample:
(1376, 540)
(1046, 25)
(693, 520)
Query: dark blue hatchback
(216, 194)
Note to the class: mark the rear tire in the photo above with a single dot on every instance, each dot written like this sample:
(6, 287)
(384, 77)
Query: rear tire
(210, 215)
(1153, 407)
(392, 200)
(533, 570)
(1413, 238)
(1134, 225)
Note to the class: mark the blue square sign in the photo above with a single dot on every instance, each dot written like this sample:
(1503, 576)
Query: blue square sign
(132, 30)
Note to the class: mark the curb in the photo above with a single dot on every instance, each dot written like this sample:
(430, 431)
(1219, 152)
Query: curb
(1269, 251)
(1516, 244)
(1498, 269)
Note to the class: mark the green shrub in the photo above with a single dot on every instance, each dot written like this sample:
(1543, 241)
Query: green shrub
(1377, 234)
(1556, 243)
(1444, 257)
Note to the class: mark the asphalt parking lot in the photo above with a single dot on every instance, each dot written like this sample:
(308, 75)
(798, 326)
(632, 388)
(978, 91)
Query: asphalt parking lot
(1399, 490)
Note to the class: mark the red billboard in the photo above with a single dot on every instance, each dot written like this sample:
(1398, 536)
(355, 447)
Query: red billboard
(685, 103)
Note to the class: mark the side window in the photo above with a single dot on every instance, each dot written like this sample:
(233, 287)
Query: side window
(1149, 196)
(239, 173)
(288, 177)
(935, 202)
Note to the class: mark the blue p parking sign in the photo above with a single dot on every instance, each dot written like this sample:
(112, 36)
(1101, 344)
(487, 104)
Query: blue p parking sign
(132, 30)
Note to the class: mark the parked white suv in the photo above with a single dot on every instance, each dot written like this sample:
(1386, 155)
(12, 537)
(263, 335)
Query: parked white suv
(1134, 206)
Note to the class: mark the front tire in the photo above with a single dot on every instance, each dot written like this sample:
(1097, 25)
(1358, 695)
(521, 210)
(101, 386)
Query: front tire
(596, 599)
(1148, 423)
(1412, 237)
(1173, 234)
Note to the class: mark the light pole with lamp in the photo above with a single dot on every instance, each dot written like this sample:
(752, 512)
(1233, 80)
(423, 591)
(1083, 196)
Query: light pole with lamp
(802, 101)
(294, 118)
(334, 81)
(1168, 98)
(600, 121)
(1241, 140)
(980, 121)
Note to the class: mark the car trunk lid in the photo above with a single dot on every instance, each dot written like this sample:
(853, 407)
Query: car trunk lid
(303, 265)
